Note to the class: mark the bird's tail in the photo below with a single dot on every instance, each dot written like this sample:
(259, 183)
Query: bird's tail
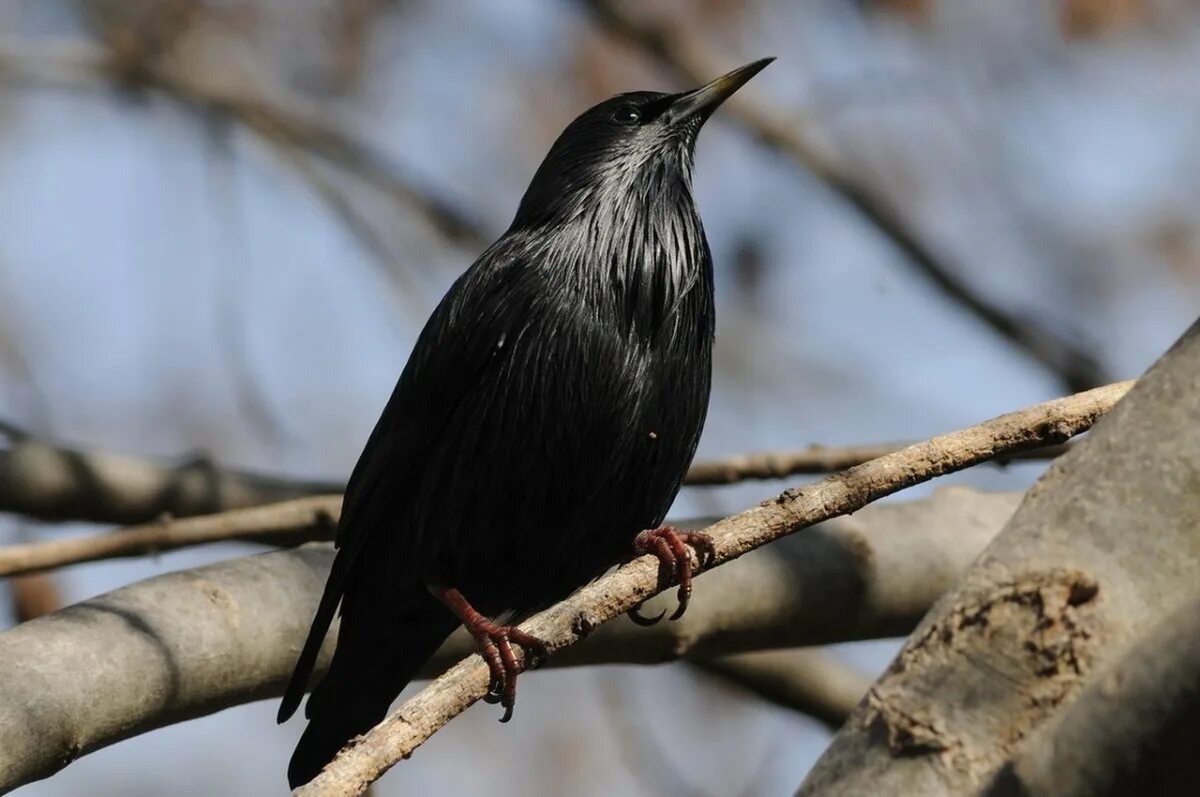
(370, 667)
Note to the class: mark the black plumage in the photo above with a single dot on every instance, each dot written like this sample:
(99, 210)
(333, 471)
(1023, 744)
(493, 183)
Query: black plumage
(547, 414)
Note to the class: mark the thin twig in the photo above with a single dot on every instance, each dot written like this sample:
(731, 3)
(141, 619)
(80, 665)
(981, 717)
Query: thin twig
(394, 739)
(284, 524)
(1076, 367)
(818, 459)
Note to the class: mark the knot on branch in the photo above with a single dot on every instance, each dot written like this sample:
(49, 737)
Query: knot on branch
(1055, 432)
(1030, 641)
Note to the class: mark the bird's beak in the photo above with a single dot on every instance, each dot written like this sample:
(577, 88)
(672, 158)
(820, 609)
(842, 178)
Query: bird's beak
(704, 100)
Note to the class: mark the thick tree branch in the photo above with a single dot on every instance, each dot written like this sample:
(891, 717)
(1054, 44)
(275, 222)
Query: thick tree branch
(190, 643)
(561, 626)
(1135, 728)
(1107, 543)
(161, 651)
(811, 681)
(1077, 368)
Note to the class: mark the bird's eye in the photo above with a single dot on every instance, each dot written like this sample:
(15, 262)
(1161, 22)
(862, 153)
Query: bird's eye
(628, 115)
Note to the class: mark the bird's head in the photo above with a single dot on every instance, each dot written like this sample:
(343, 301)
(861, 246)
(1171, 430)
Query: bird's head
(632, 143)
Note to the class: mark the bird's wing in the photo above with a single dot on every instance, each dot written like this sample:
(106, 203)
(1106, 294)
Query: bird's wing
(452, 356)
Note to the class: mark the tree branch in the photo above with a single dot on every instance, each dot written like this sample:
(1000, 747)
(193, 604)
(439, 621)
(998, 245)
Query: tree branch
(561, 626)
(1105, 544)
(811, 681)
(190, 643)
(161, 651)
(1077, 368)
(1134, 729)
(818, 459)
(284, 524)
(57, 483)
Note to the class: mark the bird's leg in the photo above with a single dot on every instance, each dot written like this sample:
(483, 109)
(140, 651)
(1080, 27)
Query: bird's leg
(495, 646)
(669, 544)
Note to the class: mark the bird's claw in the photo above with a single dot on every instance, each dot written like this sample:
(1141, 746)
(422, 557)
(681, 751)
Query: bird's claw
(642, 620)
(495, 646)
(669, 544)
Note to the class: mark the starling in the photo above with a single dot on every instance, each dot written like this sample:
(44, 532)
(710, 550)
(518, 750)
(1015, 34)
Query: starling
(542, 426)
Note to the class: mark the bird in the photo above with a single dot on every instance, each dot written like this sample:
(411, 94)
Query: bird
(541, 427)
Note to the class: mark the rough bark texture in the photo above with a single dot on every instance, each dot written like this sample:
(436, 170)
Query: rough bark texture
(1107, 543)
(370, 755)
(190, 643)
(1134, 730)
(819, 459)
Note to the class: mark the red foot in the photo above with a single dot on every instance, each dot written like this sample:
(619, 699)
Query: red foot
(669, 544)
(496, 649)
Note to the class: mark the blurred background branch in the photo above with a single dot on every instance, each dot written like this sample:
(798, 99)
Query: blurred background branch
(48, 482)
(808, 680)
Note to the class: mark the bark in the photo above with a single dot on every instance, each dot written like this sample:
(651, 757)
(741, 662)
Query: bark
(190, 643)
(284, 524)
(1135, 728)
(157, 652)
(1106, 544)
(818, 459)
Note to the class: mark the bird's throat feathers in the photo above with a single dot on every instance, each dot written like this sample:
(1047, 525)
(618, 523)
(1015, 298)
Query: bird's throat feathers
(612, 220)
(632, 248)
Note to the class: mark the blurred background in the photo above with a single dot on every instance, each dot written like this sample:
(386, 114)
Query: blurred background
(223, 223)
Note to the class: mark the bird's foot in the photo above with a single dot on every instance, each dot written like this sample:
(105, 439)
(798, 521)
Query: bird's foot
(669, 544)
(495, 646)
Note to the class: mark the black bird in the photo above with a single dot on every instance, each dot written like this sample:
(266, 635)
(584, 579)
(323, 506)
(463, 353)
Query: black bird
(546, 416)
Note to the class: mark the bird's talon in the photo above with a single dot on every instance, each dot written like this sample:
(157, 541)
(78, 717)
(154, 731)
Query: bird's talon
(669, 545)
(495, 646)
(640, 619)
(684, 597)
